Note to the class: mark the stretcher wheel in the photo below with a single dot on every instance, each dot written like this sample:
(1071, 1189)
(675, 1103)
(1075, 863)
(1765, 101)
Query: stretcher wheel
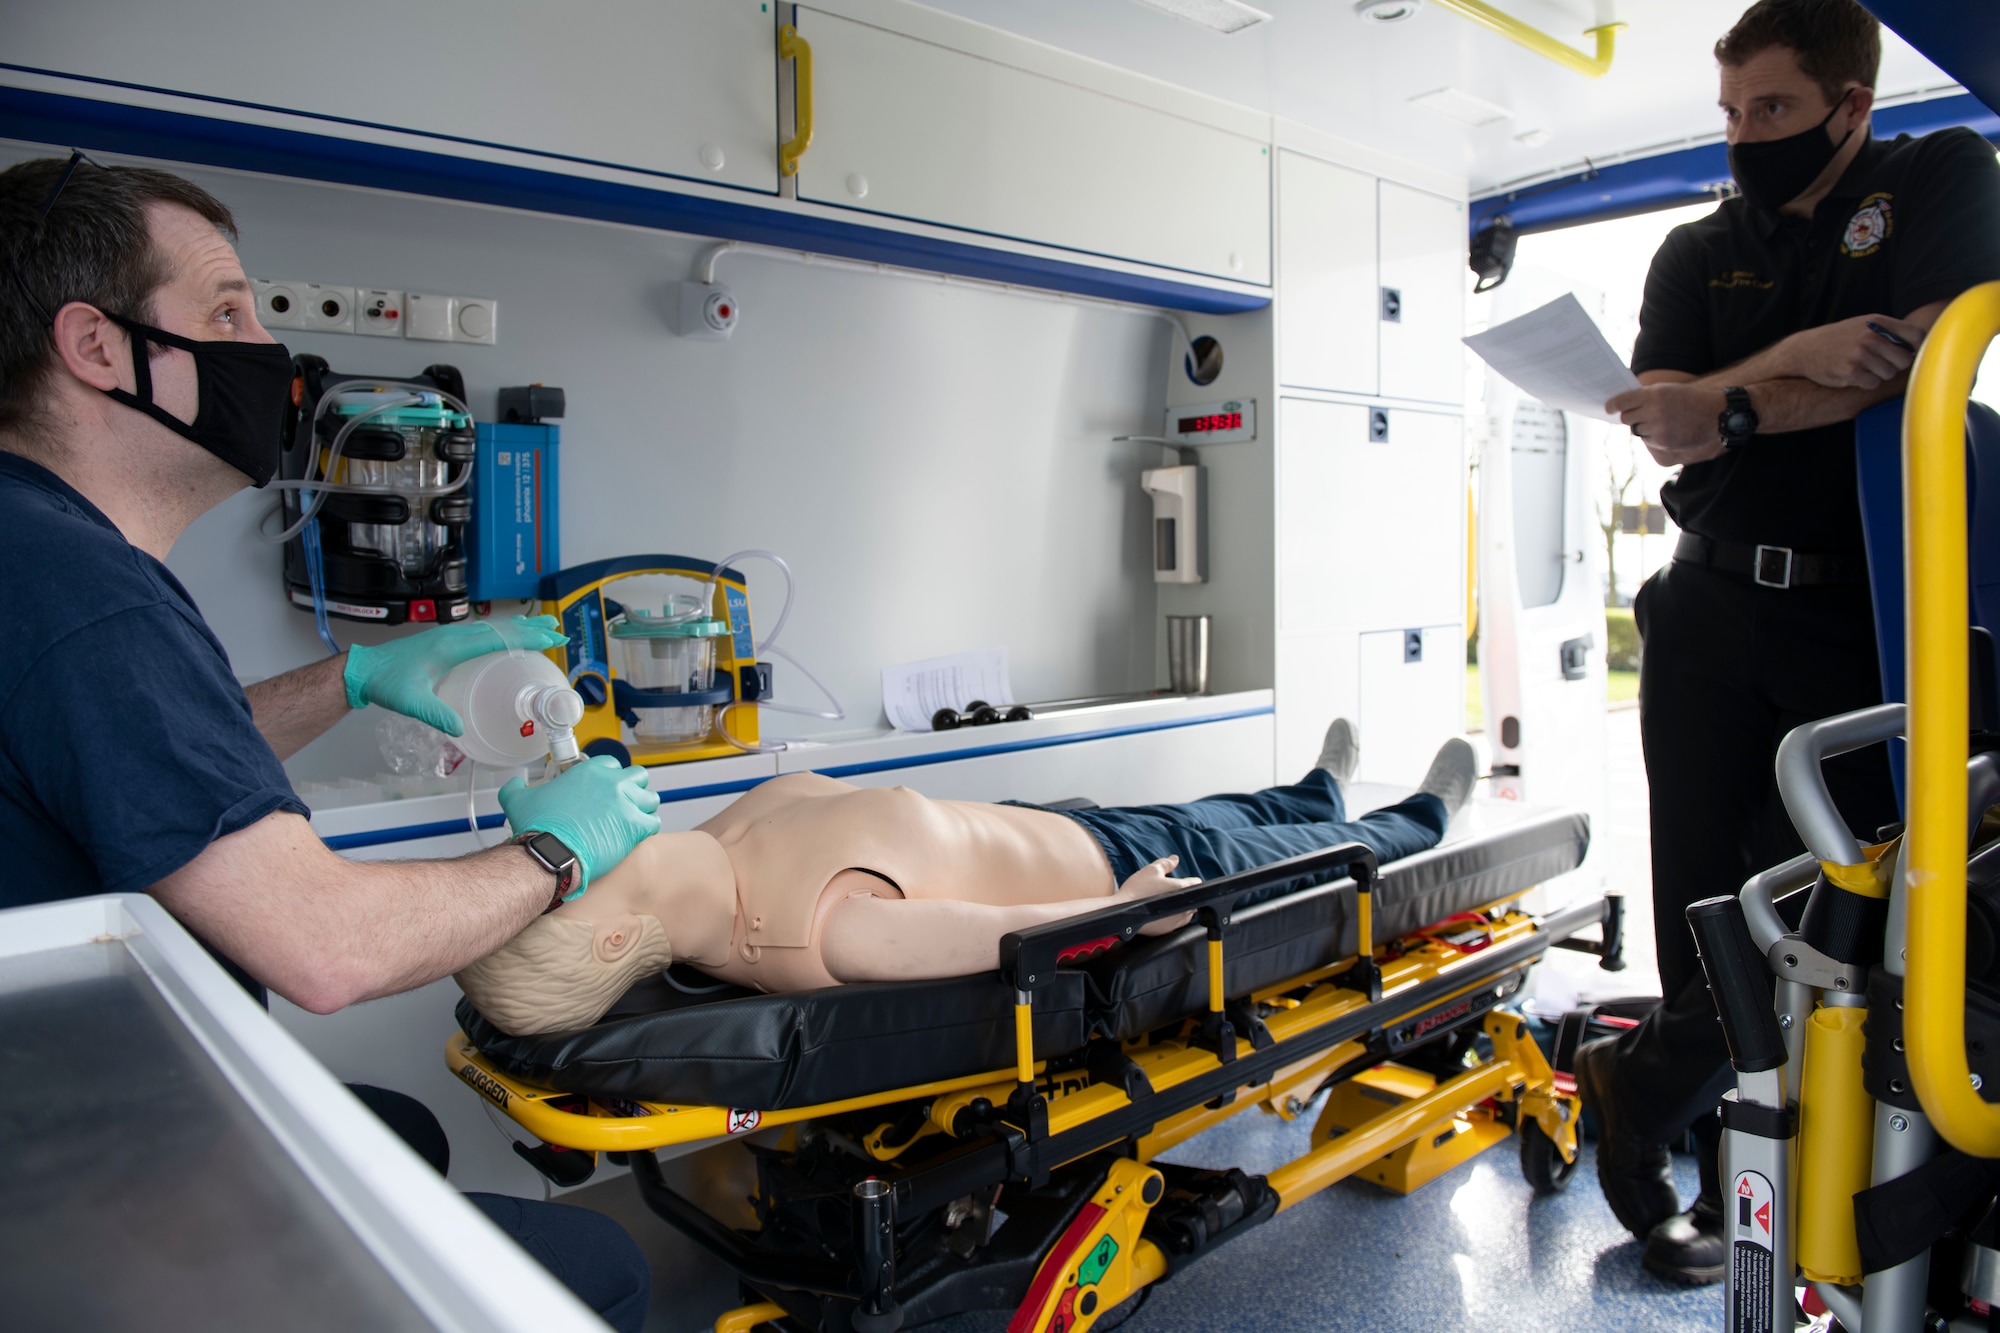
(1544, 1167)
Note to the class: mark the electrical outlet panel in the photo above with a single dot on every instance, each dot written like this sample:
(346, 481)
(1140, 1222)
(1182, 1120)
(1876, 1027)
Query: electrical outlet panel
(378, 313)
(328, 309)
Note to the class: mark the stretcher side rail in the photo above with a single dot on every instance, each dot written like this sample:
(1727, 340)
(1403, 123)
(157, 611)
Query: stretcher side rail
(1029, 958)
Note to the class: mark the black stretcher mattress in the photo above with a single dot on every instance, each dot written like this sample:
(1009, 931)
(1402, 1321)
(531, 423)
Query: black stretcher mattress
(739, 1048)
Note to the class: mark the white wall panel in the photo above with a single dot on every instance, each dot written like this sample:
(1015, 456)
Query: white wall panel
(630, 83)
(1409, 708)
(916, 130)
(1327, 299)
(1423, 260)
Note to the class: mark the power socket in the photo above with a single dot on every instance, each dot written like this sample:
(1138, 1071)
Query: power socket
(328, 309)
(379, 313)
(280, 305)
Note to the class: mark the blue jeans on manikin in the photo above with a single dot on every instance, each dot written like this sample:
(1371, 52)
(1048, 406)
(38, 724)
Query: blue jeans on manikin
(1221, 835)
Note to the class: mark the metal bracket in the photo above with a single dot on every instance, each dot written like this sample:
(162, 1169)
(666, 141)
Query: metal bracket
(1792, 959)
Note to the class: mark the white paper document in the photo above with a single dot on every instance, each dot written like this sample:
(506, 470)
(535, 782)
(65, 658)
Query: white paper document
(1558, 355)
(912, 691)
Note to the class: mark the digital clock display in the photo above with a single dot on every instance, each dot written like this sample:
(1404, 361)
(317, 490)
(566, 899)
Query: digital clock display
(1216, 421)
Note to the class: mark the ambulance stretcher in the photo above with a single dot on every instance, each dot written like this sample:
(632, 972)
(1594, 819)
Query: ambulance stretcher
(992, 1141)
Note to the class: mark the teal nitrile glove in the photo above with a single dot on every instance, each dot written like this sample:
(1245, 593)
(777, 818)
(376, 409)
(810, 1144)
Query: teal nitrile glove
(600, 810)
(403, 674)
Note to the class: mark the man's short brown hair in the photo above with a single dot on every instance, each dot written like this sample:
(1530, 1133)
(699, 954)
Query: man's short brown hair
(1838, 43)
(94, 246)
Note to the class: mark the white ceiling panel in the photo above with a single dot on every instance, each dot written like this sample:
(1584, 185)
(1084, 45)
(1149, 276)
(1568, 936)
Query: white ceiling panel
(1319, 64)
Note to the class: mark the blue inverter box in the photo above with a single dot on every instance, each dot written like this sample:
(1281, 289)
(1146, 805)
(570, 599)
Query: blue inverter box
(514, 535)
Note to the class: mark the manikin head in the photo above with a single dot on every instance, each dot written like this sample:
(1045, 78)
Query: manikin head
(1793, 67)
(566, 968)
(127, 241)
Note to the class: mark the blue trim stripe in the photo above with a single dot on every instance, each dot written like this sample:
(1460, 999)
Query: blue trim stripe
(1689, 175)
(341, 842)
(174, 136)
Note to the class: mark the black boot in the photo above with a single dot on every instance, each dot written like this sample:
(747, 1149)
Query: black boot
(1688, 1248)
(1637, 1175)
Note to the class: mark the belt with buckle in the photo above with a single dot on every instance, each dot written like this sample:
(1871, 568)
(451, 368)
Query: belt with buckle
(1772, 566)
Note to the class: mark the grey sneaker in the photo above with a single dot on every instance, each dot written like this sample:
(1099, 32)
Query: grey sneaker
(1453, 772)
(1341, 754)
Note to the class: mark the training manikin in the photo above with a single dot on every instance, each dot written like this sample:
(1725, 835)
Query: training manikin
(808, 882)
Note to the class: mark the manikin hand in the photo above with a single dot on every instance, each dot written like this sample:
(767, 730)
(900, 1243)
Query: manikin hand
(1678, 423)
(1153, 879)
(600, 810)
(403, 674)
(1849, 354)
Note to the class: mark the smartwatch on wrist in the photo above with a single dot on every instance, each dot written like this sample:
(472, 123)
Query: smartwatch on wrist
(1739, 420)
(553, 855)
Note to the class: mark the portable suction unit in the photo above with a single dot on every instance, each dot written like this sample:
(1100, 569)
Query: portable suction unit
(384, 540)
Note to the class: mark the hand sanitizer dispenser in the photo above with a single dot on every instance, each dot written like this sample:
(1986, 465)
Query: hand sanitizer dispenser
(1180, 538)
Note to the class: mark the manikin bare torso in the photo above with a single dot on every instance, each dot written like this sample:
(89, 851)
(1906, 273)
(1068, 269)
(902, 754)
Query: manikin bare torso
(806, 882)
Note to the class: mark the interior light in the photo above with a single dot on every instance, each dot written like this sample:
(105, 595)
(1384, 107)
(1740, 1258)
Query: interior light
(1386, 11)
(1225, 16)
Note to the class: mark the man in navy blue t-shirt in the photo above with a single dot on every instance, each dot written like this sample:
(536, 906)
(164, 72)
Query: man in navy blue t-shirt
(137, 392)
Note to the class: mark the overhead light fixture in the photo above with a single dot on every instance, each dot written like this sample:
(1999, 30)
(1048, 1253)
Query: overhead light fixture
(1532, 138)
(1386, 11)
(1224, 16)
(1462, 106)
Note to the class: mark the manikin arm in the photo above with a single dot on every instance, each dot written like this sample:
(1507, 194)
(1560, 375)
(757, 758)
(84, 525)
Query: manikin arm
(870, 938)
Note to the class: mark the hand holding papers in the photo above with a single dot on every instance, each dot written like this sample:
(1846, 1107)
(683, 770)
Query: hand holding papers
(1556, 354)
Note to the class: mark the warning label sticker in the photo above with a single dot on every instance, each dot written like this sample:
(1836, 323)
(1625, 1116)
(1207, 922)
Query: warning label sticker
(1752, 1278)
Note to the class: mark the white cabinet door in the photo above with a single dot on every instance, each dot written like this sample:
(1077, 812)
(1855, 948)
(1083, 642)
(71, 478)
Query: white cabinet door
(1370, 532)
(1423, 281)
(916, 130)
(1328, 304)
(1412, 699)
(686, 89)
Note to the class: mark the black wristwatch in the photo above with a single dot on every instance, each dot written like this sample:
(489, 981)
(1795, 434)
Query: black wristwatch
(1739, 420)
(553, 855)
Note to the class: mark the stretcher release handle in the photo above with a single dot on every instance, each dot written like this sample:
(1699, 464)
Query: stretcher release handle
(1739, 980)
(1028, 958)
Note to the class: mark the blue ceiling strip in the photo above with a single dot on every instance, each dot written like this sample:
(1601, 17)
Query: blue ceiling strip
(1960, 37)
(53, 118)
(1689, 175)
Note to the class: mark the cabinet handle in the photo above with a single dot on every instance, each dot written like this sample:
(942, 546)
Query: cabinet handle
(793, 47)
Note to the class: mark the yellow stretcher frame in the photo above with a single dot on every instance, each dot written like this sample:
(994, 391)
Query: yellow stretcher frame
(1421, 1131)
(1937, 643)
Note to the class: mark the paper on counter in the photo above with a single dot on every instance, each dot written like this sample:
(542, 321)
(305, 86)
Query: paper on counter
(912, 691)
(1558, 355)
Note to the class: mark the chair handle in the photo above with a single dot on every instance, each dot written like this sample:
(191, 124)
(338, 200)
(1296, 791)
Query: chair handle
(1935, 586)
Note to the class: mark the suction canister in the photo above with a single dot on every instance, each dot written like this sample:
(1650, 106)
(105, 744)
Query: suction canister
(667, 669)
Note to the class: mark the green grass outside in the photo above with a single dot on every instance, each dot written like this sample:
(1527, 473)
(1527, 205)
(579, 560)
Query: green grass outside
(1620, 687)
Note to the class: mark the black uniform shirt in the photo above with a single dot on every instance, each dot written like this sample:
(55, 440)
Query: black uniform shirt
(1911, 222)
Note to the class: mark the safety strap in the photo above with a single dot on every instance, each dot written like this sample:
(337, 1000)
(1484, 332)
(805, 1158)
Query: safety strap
(1900, 1219)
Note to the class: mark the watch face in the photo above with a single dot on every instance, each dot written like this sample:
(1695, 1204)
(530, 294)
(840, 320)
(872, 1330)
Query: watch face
(551, 851)
(1739, 423)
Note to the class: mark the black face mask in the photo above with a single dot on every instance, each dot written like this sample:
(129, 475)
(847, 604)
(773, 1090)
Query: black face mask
(244, 389)
(1773, 173)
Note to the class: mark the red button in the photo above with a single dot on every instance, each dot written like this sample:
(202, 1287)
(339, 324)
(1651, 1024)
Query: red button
(423, 609)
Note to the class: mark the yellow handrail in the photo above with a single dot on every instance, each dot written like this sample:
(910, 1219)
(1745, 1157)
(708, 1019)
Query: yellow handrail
(1934, 542)
(793, 47)
(1514, 30)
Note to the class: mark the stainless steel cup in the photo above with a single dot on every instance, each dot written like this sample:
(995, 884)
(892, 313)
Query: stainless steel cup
(1187, 654)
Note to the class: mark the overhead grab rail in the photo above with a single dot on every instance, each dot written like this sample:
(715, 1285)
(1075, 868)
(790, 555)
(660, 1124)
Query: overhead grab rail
(1934, 537)
(1514, 30)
